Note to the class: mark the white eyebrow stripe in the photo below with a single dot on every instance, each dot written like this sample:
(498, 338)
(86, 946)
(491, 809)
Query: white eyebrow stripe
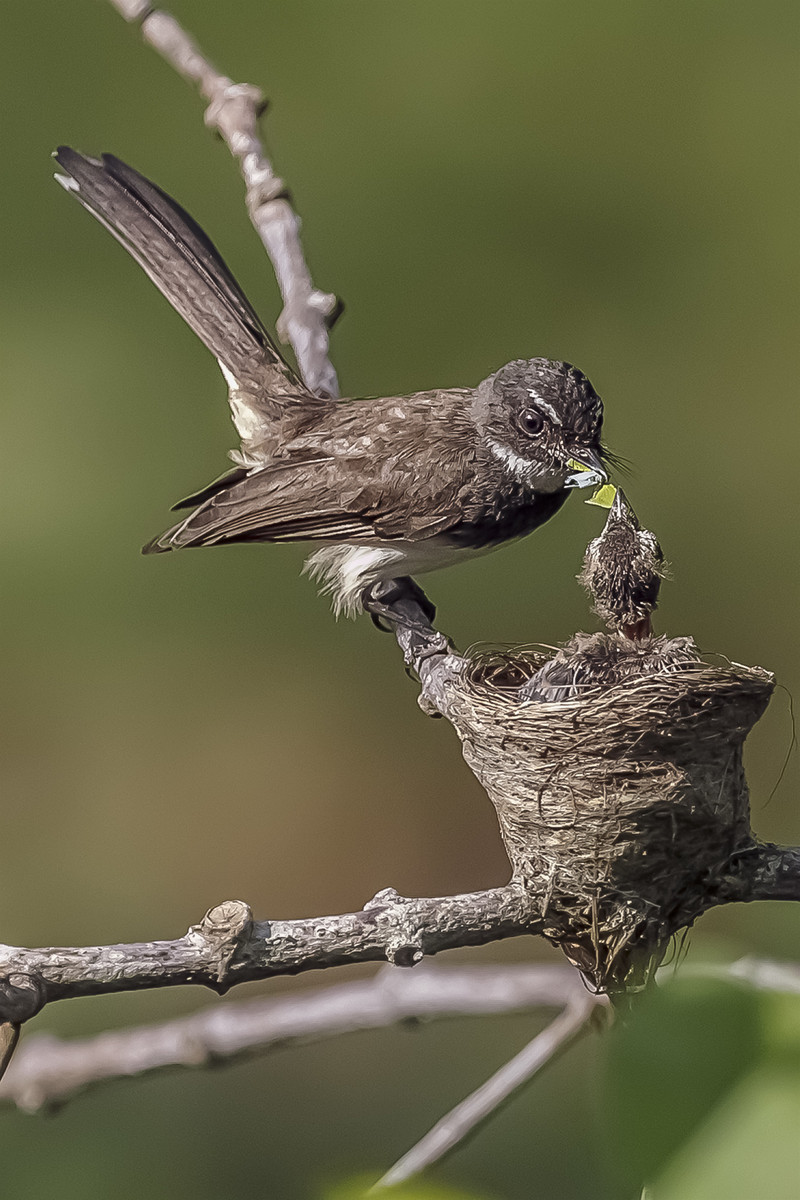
(545, 406)
(532, 474)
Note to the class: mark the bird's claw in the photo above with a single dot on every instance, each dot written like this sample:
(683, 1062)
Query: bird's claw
(398, 602)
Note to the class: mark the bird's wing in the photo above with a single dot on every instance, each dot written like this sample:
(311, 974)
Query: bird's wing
(310, 496)
(188, 269)
(218, 485)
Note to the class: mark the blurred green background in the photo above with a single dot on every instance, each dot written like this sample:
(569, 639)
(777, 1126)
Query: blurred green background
(615, 184)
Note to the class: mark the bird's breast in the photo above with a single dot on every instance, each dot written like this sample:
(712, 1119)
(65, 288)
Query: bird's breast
(504, 518)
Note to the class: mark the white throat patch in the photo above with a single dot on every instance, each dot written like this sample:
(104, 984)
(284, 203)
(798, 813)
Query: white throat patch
(521, 468)
(526, 471)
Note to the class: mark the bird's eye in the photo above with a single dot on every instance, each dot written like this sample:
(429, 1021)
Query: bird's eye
(531, 421)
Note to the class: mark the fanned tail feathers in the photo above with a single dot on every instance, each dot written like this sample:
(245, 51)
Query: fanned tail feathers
(183, 263)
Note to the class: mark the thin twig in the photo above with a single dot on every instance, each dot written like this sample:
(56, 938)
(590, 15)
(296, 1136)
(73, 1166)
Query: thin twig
(764, 974)
(233, 110)
(48, 1070)
(465, 1118)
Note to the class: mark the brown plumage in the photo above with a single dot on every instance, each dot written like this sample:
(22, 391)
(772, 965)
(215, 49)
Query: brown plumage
(389, 486)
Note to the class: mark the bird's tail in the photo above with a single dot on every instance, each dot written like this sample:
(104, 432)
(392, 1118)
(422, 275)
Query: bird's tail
(182, 262)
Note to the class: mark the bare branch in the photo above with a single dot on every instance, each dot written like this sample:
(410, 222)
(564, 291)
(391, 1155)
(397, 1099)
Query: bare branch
(49, 1071)
(579, 1008)
(465, 1118)
(767, 872)
(233, 110)
(764, 974)
(228, 947)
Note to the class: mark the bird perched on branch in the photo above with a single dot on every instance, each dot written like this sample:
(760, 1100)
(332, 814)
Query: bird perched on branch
(387, 487)
(622, 572)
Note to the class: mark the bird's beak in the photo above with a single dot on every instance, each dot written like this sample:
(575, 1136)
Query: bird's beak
(622, 512)
(621, 509)
(587, 471)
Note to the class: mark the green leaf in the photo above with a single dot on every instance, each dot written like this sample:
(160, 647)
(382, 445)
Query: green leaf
(747, 1148)
(680, 1054)
(604, 496)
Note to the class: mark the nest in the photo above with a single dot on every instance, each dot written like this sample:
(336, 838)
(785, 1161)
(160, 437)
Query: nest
(619, 806)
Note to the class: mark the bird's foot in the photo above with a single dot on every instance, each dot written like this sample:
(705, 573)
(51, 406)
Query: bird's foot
(394, 602)
(401, 607)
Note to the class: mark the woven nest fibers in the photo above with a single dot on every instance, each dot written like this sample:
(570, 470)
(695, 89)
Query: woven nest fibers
(625, 799)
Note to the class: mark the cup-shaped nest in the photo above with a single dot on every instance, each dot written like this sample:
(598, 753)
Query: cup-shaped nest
(617, 805)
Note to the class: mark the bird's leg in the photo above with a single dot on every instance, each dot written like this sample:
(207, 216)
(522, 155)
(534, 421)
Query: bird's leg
(400, 606)
(393, 602)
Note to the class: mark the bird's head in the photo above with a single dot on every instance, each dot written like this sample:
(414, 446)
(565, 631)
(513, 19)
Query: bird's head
(542, 420)
(622, 572)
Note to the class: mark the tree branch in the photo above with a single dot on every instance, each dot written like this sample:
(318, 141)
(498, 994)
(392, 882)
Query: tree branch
(48, 1071)
(581, 1008)
(767, 872)
(9, 1036)
(228, 947)
(233, 110)
(484, 1102)
(763, 974)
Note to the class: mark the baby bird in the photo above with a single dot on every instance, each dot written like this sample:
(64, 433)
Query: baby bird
(622, 572)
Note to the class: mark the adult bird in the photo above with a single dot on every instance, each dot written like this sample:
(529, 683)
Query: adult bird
(385, 486)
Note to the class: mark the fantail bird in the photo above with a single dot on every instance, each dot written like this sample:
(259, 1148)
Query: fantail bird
(388, 486)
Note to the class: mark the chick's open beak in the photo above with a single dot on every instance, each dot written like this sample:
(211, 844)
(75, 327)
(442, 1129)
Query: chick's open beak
(622, 511)
(587, 470)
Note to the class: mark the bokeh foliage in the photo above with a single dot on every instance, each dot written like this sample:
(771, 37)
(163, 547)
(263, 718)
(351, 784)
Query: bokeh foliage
(611, 183)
